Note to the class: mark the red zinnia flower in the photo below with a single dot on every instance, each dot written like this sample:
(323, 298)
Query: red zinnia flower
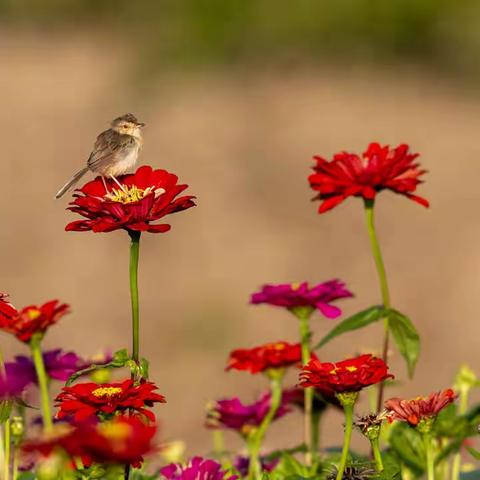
(122, 440)
(147, 195)
(86, 400)
(346, 376)
(379, 168)
(32, 319)
(7, 310)
(412, 411)
(265, 357)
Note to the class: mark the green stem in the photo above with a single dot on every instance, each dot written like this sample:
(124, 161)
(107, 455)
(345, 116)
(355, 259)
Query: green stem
(316, 417)
(348, 410)
(305, 336)
(462, 408)
(382, 277)
(8, 443)
(254, 469)
(429, 455)
(35, 346)
(375, 443)
(134, 253)
(16, 455)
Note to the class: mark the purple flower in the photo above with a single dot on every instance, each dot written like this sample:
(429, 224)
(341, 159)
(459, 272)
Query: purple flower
(241, 464)
(232, 413)
(291, 296)
(12, 385)
(59, 365)
(197, 469)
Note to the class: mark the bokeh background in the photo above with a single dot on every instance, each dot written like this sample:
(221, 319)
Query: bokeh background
(237, 97)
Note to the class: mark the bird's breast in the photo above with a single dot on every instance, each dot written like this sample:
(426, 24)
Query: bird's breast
(124, 161)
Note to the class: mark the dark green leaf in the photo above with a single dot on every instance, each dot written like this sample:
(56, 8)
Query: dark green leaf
(119, 360)
(406, 338)
(290, 466)
(407, 444)
(474, 453)
(356, 321)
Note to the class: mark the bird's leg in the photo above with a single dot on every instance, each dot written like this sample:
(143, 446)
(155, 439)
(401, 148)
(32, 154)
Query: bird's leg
(119, 184)
(105, 185)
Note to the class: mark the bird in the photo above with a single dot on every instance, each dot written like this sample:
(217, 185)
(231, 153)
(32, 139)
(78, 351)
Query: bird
(114, 153)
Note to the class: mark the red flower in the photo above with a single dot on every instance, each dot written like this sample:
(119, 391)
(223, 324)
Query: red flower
(347, 376)
(85, 400)
(7, 310)
(147, 195)
(412, 411)
(265, 357)
(32, 319)
(122, 440)
(378, 169)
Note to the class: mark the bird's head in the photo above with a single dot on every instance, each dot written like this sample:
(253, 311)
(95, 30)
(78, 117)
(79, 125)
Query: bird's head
(128, 125)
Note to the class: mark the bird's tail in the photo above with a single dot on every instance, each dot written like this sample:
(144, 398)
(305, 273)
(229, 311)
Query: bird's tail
(71, 182)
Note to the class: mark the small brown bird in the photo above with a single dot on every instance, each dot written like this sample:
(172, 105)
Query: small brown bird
(114, 153)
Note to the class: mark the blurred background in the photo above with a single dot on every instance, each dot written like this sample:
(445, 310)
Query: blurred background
(237, 96)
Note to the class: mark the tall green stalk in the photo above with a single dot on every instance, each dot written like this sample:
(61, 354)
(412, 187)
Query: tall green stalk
(427, 442)
(348, 401)
(134, 254)
(255, 443)
(8, 444)
(462, 409)
(377, 456)
(303, 316)
(36, 349)
(382, 277)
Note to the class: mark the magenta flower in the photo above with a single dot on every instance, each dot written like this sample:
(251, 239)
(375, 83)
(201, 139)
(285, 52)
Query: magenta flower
(231, 413)
(197, 469)
(59, 365)
(241, 464)
(12, 386)
(290, 296)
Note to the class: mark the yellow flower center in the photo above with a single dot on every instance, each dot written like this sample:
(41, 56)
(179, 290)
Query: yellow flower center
(114, 430)
(351, 368)
(333, 371)
(106, 392)
(33, 314)
(129, 194)
(296, 285)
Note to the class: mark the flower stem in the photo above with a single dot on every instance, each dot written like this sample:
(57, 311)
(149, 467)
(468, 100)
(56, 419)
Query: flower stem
(375, 444)
(8, 443)
(382, 277)
(134, 253)
(254, 468)
(462, 409)
(429, 454)
(305, 336)
(348, 411)
(35, 346)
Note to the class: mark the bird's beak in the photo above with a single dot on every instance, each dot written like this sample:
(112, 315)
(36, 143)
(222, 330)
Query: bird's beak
(140, 124)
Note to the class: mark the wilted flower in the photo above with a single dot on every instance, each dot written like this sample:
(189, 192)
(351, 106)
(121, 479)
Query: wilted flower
(33, 320)
(420, 408)
(122, 440)
(231, 413)
(292, 296)
(354, 472)
(145, 197)
(379, 168)
(370, 424)
(197, 469)
(346, 376)
(85, 400)
(265, 357)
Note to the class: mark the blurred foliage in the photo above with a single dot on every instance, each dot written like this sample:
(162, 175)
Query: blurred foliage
(437, 33)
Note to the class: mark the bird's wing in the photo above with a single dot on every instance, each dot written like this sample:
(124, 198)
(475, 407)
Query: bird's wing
(107, 145)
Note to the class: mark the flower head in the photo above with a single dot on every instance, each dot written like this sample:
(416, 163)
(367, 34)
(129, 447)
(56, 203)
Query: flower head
(33, 319)
(242, 463)
(122, 440)
(292, 296)
(420, 408)
(7, 310)
(379, 168)
(354, 472)
(59, 365)
(346, 376)
(232, 414)
(86, 400)
(12, 385)
(197, 469)
(145, 197)
(265, 357)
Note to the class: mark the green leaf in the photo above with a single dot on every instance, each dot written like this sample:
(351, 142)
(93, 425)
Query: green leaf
(119, 360)
(406, 338)
(356, 321)
(407, 444)
(290, 466)
(474, 453)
